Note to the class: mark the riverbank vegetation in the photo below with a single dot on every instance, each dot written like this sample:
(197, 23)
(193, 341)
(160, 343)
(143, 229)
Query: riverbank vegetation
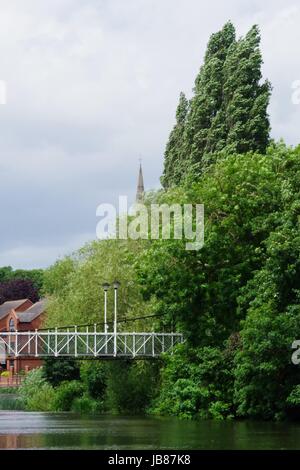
(10, 399)
(119, 387)
(236, 300)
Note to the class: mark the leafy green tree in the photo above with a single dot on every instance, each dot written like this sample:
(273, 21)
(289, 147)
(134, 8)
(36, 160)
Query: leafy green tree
(36, 276)
(265, 378)
(6, 274)
(199, 290)
(266, 381)
(75, 285)
(56, 277)
(243, 283)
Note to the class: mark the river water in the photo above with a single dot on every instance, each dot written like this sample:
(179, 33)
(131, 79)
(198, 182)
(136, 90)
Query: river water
(26, 430)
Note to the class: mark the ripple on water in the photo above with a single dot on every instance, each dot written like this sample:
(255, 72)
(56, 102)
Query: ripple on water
(34, 430)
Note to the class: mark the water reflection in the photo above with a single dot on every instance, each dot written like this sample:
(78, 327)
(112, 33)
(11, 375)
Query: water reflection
(20, 430)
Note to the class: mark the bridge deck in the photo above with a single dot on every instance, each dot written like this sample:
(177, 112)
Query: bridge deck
(42, 344)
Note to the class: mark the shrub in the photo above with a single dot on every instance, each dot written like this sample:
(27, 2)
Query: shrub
(66, 393)
(36, 393)
(219, 410)
(42, 400)
(86, 404)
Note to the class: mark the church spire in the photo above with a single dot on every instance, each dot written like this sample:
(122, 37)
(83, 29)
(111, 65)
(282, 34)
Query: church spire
(140, 186)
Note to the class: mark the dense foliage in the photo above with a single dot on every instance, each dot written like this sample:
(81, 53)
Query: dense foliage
(74, 285)
(241, 291)
(116, 387)
(236, 300)
(36, 393)
(58, 371)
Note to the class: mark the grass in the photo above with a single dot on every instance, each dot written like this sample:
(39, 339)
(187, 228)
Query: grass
(7, 390)
(11, 402)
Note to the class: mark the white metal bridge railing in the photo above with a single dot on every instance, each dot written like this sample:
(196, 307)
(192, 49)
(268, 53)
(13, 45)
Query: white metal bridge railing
(87, 344)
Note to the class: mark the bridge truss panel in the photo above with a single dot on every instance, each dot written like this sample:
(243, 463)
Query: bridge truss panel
(88, 344)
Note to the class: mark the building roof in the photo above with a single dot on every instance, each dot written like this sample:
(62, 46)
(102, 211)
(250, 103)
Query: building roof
(32, 312)
(8, 306)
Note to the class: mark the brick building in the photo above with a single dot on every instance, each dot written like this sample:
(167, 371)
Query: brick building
(21, 315)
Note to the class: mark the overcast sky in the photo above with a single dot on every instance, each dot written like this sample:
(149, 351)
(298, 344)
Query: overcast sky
(94, 84)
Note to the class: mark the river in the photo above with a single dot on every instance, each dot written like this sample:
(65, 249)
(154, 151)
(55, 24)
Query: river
(26, 430)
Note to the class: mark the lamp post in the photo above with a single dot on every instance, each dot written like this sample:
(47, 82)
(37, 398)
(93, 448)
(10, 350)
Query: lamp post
(105, 286)
(116, 287)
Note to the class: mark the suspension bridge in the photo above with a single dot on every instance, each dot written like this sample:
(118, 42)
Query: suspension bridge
(86, 344)
(84, 341)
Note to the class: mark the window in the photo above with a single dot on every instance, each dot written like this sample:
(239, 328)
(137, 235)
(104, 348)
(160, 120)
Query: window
(11, 325)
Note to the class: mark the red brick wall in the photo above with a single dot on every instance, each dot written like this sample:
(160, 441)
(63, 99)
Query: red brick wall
(22, 363)
(3, 324)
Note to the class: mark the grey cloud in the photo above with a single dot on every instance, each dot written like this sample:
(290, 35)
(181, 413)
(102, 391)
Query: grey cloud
(92, 85)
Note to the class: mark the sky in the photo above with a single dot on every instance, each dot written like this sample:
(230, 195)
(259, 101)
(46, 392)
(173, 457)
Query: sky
(92, 86)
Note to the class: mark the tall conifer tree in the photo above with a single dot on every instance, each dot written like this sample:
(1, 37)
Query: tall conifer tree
(245, 98)
(173, 163)
(228, 110)
(207, 100)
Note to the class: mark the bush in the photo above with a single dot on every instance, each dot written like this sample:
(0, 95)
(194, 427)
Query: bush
(36, 393)
(197, 383)
(66, 393)
(42, 400)
(86, 404)
(219, 410)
